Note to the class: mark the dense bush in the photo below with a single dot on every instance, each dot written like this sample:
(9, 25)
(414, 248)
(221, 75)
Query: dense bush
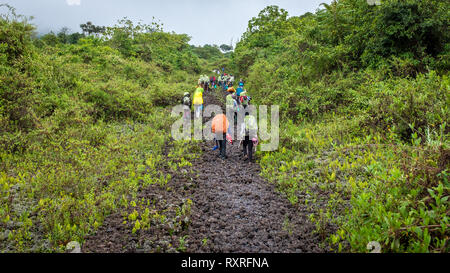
(410, 105)
(16, 90)
(364, 99)
(207, 52)
(83, 127)
(148, 42)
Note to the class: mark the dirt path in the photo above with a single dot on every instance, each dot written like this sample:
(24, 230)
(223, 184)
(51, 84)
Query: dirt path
(236, 210)
(233, 210)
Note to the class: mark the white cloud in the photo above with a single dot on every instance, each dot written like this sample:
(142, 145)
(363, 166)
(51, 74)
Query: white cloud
(73, 2)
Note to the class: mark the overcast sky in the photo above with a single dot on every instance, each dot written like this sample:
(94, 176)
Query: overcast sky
(206, 21)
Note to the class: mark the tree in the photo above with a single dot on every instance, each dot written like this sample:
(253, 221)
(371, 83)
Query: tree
(63, 35)
(50, 39)
(226, 48)
(87, 28)
(207, 52)
(90, 29)
(270, 19)
(74, 38)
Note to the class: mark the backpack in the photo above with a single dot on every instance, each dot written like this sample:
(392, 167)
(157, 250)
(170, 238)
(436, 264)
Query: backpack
(243, 98)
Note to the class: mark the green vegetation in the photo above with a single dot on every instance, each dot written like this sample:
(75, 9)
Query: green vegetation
(84, 127)
(207, 52)
(364, 139)
(364, 99)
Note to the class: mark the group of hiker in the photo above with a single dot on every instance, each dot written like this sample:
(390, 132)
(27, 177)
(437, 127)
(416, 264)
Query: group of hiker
(211, 83)
(206, 82)
(237, 102)
(225, 81)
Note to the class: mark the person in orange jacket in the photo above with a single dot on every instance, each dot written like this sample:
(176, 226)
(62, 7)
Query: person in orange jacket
(219, 127)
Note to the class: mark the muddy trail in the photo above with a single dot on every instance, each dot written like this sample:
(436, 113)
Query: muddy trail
(234, 210)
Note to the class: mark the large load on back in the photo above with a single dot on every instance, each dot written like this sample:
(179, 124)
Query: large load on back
(203, 79)
(226, 78)
(244, 99)
(186, 99)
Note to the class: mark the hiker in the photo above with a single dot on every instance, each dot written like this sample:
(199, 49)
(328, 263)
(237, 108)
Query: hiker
(228, 80)
(249, 129)
(220, 127)
(202, 82)
(207, 83)
(205, 80)
(231, 106)
(240, 89)
(212, 81)
(244, 99)
(231, 89)
(219, 80)
(198, 101)
(186, 101)
(225, 82)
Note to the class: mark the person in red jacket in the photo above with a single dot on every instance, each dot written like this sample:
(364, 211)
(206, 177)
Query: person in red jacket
(219, 127)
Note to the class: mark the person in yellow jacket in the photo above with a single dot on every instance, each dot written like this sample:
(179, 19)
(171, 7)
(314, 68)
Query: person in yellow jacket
(197, 101)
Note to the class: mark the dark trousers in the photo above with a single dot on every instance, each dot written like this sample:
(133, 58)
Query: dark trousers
(222, 145)
(248, 147)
